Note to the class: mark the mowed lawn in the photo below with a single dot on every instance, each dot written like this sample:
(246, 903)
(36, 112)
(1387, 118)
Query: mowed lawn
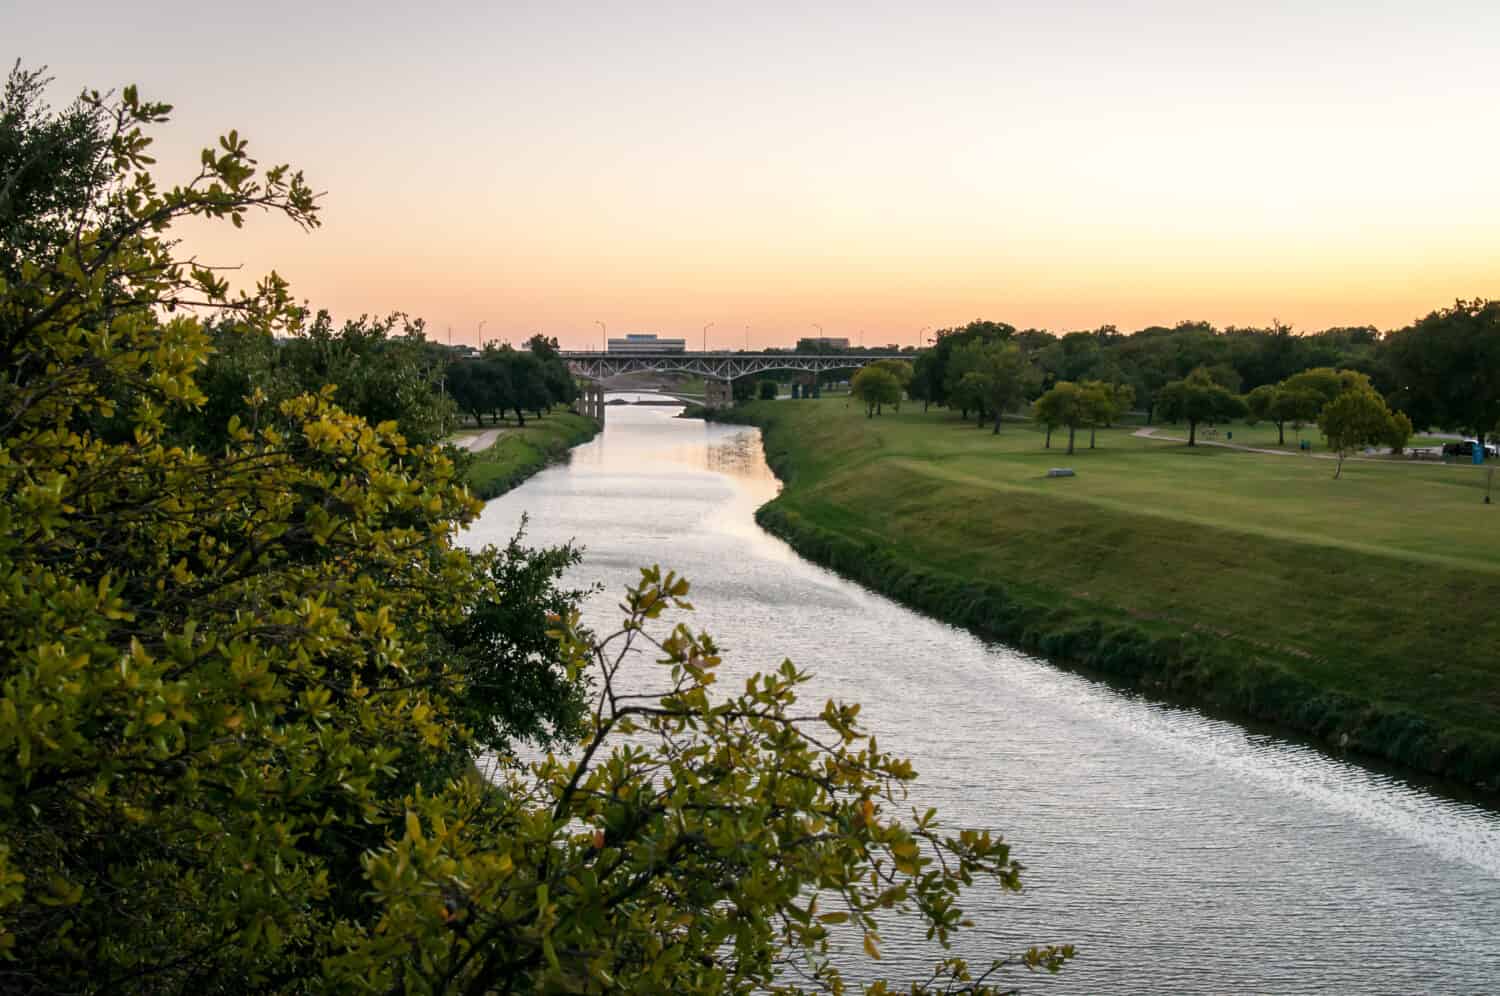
(1384, 584)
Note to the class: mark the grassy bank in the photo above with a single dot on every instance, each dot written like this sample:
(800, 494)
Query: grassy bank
(520, 452)
(1363, 611)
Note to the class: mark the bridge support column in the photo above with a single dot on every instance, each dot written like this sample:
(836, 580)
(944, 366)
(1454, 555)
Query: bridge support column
(718, 394)
(590, 401)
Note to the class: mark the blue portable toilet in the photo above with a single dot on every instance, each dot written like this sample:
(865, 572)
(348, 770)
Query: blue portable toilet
(1478, 454)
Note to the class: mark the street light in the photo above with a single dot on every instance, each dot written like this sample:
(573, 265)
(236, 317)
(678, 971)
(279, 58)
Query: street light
(747, 338)
(921, 332)
(603, 336)
(481, 332)
(705, 335)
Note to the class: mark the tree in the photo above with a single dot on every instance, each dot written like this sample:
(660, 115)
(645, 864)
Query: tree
(767, 390)
(53, 167)
(1356, 419)
(1103, 403)
(515, 682)
(1065, 404)
(1197, 398)
(959, 388)
(1446, 368)
(1002, 377)
(1281, 404)
(902, 371)
(235, 687)
(875, 387)
(561, 387)
(926, 382)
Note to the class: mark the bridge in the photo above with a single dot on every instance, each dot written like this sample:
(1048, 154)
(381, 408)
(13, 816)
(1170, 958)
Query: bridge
(717, 369)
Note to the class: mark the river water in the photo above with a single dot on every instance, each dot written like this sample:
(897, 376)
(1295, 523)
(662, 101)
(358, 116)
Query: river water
(1180, 853)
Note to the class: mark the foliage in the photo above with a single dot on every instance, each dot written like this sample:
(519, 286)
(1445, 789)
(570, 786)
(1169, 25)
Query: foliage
(697, 844)
(1294, 402)
(52, 164)
(384, 370)
(875, 387)
(998, 376)
(234, 684)
(514, 678)
(505, 379)
(1103, 403)
(1446, 368)
(1325, 384)
(1358, 418)
(767, 390)
(902, 371)
(939, 376)
(1197, 398)
(1065, 404)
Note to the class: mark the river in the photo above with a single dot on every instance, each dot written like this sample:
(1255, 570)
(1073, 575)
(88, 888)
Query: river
(1180, 853)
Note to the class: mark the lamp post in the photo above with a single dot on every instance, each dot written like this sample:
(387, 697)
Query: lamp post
(920, 333)
(705, 335)
(603, 336)
(481, 333)
(747, 338)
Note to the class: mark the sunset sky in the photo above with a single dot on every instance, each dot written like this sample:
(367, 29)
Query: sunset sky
(869, 167)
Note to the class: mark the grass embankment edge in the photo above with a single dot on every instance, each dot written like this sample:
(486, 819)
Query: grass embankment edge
(1197, 668)
(520, 453)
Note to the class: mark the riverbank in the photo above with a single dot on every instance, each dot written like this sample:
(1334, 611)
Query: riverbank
(1360, 612)
(520, 452)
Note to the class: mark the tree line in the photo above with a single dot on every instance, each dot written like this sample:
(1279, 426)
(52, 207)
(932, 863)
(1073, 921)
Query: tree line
(1360, 387)
(1442, 371)
(504, 379)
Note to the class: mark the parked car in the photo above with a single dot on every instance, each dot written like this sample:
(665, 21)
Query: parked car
(1466, 449)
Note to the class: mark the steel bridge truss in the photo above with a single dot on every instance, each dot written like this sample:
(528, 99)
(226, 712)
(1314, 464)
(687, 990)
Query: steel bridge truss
(710, 366)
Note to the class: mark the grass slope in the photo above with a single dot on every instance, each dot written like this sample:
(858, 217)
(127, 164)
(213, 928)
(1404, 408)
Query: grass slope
(1364, 610)
(521, 452)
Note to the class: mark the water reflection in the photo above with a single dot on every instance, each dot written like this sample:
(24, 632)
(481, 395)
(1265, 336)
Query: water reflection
(1182, 853)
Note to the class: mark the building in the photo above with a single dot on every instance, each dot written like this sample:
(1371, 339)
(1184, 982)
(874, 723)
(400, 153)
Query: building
(639, 343)
(823, 342)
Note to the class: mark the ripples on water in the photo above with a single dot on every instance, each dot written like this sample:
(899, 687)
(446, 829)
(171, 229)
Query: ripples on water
(1180, 853)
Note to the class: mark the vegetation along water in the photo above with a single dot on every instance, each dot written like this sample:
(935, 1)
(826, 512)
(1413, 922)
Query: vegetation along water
(1359, 610)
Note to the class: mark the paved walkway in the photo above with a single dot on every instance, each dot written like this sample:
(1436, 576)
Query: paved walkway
(477, 441)
(1149, 432)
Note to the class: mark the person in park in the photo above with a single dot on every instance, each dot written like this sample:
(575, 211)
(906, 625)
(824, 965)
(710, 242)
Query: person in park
(241, 687)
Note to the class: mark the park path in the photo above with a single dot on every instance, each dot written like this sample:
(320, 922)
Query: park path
(1150, 432)
(478, 441)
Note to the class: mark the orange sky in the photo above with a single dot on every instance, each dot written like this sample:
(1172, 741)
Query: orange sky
(874, 168)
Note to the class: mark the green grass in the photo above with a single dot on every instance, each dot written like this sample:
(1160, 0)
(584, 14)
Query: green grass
(1382, 587)
(521, 452)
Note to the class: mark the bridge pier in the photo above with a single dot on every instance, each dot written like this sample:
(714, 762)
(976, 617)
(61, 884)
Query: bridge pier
(590, 401)
(717, 394)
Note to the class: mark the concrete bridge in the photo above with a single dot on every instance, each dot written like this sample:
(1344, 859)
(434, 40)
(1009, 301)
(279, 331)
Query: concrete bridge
(716, 369)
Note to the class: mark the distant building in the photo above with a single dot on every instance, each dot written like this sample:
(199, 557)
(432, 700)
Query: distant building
(638, 343)
(823, 342)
